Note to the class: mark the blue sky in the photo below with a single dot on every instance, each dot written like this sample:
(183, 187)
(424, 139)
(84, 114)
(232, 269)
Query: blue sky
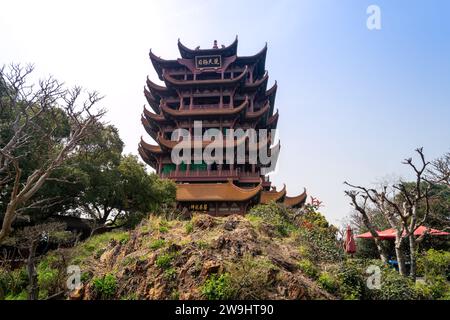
(353, 102)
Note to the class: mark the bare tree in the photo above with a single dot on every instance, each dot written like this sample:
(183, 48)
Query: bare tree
(440, 170)
(30, 106)
(29, 239)
(399, 204)
(359, 200)
(439, 175)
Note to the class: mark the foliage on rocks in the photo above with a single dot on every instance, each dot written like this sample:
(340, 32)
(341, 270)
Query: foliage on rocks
(218, 287)
(105, 287)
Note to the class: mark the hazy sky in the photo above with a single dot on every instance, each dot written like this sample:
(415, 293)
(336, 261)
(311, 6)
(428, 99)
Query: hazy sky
(353, 103)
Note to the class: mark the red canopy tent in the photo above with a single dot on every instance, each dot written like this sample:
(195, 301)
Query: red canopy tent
(390, 233)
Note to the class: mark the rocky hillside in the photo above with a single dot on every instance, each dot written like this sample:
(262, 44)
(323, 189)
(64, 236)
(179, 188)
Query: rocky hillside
(233, 257)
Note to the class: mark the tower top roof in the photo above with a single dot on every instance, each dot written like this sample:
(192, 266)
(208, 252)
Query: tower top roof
(225, 51)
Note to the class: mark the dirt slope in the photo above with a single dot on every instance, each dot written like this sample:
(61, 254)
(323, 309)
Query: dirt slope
(174, 259)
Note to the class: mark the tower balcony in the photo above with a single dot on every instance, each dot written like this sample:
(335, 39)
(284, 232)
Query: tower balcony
(212, 106)
(212, 175)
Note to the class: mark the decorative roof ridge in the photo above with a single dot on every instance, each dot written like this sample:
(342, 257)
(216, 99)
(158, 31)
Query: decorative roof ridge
(272, 89)
(151, 85)
(296, 200)
(258, 113)
(273, 118)
(153, 116)
(227, 191)
(258, 82)
(186, 52)
(148, 127)
(150, 147)
(250, 190)
(261, 52)
(273, 195)
(156, 58)
(158, 63)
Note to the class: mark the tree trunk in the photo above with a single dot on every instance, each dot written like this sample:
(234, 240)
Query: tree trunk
(381, 251)
(400, 256)
(33, 288)
(412, 252)
(8, 218)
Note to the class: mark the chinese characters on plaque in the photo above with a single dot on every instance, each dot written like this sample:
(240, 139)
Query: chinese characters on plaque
(208, 62)
(199, 207)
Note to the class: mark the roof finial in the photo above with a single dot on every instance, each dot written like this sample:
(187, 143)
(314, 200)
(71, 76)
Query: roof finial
(215, 45)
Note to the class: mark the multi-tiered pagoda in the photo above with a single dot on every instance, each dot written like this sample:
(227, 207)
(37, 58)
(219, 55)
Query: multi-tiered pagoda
(224, 91)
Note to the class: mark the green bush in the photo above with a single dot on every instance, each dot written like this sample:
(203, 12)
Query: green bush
(189, 227)
(351, 281)
(251, 277)
(274, 215)
(105, 287)
(97, 244)
(170, 274)
(217, 287)
(164, 261)
(438, 287)
(156, 244)
(434, 263)
(202, 244)
(13, 283)
(175, 295)
(23, 295)
(321, 243)
(394, 286)
(423, 291)
(308, 268)
(49, 275)
(327, 282)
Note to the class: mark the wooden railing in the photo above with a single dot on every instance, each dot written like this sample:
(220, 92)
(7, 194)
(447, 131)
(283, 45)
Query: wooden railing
(213, 174)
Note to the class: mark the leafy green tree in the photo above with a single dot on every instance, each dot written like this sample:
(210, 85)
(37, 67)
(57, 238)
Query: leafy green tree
(117, 186)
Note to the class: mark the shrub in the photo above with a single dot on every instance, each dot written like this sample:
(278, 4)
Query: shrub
(23, 295)
(105, 287)
(308, 268)
(251, 277)
(175, 295)
(130, 296)
(97, 244)
(435, 263)
(163, 226)
(394, 286)
(128, 260)
(202, 244)
(49, 275)
(164, 261)
(274, 215)
(351, 281)
(156, 244)
(13, 283)
(423, 291)
(86, 276)
(304, 251)
(170, 274)
(189, 227)
(438, 287)
(217, 287)
(327, 282)
(321, 243)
